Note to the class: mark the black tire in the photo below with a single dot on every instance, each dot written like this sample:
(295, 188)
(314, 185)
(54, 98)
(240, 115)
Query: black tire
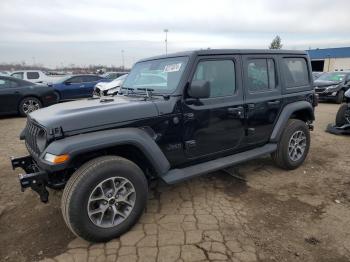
(340, 118)
(58, 96)
(82, 183)
(340, 97)
(23, 105)
(281, 156)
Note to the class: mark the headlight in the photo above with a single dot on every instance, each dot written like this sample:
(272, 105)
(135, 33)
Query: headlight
(41, 140)
(331, 87)
(112, 91)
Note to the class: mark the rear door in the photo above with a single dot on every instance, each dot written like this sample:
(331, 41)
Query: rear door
(87, 86)
(263, 98)
(215, 125)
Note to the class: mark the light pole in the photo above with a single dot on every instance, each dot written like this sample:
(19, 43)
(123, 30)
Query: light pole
(166, 40)
(123, 59)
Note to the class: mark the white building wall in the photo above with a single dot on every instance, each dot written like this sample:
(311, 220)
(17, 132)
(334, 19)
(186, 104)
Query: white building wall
(336, 64)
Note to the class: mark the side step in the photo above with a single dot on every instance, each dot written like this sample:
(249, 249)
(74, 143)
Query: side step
(177, 175)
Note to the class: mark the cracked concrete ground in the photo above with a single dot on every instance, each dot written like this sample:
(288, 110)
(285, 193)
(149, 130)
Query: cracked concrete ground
(300, 215)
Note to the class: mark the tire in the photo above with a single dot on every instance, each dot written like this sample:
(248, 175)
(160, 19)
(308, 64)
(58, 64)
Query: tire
(282, 155)
(340, 118)
(340, 97)
(58, 96)
(28, 105)
(76, 200)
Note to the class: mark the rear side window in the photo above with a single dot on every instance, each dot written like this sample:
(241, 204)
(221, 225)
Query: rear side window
(261, 75)
(33, 75)
(295, 72)
(220, 74)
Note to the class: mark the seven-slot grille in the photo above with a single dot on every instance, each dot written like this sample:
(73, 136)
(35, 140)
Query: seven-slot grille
(31, 133)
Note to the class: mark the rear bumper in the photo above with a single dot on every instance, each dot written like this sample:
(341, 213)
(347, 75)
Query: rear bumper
(34, 177)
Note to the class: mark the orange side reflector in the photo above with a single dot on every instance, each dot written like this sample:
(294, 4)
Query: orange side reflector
(60, 159)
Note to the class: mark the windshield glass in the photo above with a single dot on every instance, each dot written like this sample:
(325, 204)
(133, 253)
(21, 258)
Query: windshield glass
(332, 77)
(161, 75)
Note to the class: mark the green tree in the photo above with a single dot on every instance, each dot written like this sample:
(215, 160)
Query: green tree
(276, 43)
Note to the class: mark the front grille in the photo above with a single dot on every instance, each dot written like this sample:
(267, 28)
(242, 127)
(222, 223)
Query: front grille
(32, 131)
(320, 89)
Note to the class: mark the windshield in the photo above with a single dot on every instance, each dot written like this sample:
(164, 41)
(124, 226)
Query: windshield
(160, 76)
(332, 77)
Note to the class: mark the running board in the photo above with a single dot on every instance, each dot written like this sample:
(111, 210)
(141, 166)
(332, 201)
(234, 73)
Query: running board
(177, 175)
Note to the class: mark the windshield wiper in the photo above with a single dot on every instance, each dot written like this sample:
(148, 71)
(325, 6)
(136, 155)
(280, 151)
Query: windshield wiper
(148, 91)
(128, 89)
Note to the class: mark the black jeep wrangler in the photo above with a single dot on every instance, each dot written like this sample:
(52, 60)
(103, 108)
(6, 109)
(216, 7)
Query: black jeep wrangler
(176, 117)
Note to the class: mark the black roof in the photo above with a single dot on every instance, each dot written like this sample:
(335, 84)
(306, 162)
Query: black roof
(227, 52)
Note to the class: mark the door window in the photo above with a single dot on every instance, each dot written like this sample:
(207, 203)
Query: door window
(75, 80)
(6, 83)
(295, 72)
(220, 74)
(18, 75)
(33, 75)
(261, 75)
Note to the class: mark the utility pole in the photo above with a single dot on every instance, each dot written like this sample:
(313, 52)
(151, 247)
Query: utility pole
(123, 65)
(166, 40)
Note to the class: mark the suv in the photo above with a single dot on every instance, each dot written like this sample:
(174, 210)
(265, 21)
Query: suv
(200, 111)
(332, 86)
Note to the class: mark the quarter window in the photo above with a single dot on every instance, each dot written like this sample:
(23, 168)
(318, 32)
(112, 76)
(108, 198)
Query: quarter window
(33, 75)
(261, 75)
(295, 72)
(220, 74)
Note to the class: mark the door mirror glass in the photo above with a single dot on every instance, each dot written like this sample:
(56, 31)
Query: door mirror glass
(199, 89)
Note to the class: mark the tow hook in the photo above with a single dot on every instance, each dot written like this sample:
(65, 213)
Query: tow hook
(311, 126)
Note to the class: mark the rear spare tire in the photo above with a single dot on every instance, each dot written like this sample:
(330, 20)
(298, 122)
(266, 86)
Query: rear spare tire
(104, 198)
(293, 146)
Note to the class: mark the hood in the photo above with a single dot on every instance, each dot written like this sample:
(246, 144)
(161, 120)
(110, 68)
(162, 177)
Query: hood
(323, 83)
(91, 113)
(109, 85)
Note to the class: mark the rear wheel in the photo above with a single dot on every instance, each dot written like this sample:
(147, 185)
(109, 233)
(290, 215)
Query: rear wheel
(104, 198)
(293, 146)
(340, 119)
(28, 105)
(58, 97)
(340, 97)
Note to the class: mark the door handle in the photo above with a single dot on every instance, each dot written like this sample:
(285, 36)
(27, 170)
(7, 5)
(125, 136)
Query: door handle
(237, 111)
(82, 86)
(274, 103)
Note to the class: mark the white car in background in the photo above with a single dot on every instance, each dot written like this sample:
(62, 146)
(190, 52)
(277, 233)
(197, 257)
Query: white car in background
(34, 76)
(109, 88)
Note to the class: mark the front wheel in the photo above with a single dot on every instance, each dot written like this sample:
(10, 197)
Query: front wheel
(293, 146)
(104, 198)
(340, 97)
(342, 114)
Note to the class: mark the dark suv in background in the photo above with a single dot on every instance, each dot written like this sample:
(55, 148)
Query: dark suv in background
(198, 112)
(332, 86)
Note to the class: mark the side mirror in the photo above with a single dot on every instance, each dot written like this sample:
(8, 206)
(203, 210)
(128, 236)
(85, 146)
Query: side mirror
(199, 89)
(67, 83)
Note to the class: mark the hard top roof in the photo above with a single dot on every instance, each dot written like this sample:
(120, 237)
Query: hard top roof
(227, 52)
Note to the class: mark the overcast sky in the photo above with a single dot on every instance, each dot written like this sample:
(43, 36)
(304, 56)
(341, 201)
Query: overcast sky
(63, 32)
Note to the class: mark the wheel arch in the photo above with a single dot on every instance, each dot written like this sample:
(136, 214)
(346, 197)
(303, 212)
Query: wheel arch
(131, 143)
(301, 110)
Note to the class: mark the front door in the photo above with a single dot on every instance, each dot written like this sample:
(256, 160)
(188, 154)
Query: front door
(263, 99)
(215, 125)
(9, 95)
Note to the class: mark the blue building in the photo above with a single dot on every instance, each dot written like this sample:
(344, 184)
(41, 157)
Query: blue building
(330, 59)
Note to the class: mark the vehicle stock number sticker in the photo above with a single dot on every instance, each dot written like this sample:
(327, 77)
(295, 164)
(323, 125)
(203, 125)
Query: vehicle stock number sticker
(172, 68)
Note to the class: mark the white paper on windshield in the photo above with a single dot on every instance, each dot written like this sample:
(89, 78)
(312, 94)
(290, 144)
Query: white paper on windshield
(172, 68)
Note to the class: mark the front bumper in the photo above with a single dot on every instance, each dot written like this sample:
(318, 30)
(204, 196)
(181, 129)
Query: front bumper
(338, 130)
(327, 95)
(34, 177)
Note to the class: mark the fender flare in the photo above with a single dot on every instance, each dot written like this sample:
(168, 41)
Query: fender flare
(89, 142)
(286, 113)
